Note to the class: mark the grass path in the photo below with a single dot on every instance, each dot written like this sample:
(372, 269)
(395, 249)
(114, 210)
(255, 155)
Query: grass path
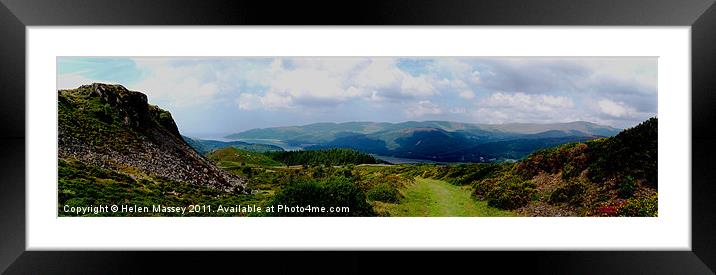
(436, 198)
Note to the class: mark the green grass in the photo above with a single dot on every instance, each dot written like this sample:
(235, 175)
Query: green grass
(232, 157)
(437, 198)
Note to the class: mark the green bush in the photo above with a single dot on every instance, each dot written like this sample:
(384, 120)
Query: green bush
(105, 113)
(571, 193)
(384, 192)
(510, 196)
(464, 174)
(626, 187)
(246, 170)
(332, 192)
(506, 191)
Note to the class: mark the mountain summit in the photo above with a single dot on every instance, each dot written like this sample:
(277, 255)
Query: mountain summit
(114, 128)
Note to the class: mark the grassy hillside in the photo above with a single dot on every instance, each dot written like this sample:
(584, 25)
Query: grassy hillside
(630, 154)
(231, 156)
(614, 176)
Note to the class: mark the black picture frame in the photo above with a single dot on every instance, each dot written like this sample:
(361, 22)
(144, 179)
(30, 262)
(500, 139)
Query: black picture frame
(15, 15)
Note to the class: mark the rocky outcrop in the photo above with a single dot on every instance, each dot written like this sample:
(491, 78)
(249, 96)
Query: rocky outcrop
(112, 127)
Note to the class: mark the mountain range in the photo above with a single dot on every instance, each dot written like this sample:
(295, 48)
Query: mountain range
(442, 141)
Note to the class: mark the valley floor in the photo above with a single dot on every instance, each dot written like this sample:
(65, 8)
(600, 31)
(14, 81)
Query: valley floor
(437, 198)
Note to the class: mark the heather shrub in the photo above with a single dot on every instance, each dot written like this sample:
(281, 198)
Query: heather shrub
(384, 192)
(331, 192)
(571, 193)
(640, 207)
(505, 191)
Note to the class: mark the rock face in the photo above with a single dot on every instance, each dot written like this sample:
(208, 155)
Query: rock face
(112, 127)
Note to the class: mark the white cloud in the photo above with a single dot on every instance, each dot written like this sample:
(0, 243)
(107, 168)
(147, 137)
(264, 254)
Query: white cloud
(527, 102)
(615, 109)
(178, 89)
(451, 66)
(248, 101)
(476, 77)
(177, 86)
(424, 107)
(269, 101)
(416, 86)
(489, 115)
(314, 82)
(502, 107)
(334, 66)
(454, 74)
(467, 94)
(308, 82)
(639, 71)
(458, 110)
(557, 101)
(383, 77)
(274, 101)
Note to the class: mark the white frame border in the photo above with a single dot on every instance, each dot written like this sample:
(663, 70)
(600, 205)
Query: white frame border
(671, 230)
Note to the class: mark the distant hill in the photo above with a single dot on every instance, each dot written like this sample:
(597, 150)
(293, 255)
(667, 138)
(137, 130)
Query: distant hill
(109, 127)
(442, 141)
(204, 146)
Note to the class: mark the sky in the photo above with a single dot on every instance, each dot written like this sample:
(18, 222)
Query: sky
(215, 96)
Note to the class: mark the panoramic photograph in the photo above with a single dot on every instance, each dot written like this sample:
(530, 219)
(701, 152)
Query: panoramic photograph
(357, 136)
